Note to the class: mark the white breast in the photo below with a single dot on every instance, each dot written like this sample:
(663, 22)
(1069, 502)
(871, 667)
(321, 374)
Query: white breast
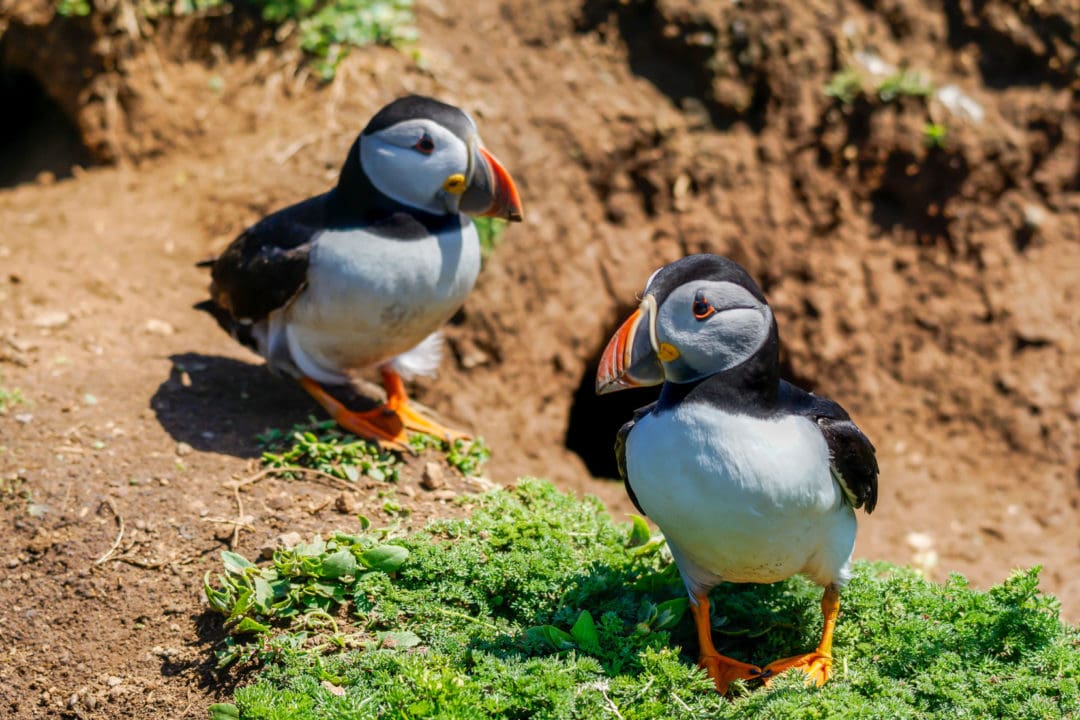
(371, 298)
(739, 498)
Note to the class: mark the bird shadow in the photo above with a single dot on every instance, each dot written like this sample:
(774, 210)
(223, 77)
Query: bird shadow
(219, 404)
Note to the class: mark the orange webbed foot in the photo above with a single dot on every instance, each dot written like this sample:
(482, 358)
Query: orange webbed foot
(817, 666)
(417, 422)
(723, 670)
(382, 424)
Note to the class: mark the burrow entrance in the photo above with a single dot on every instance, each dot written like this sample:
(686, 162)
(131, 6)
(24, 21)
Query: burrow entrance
(35, 135)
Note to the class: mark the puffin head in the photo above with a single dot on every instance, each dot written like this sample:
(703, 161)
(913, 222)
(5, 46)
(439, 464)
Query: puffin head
(427, 155)
(699, 316)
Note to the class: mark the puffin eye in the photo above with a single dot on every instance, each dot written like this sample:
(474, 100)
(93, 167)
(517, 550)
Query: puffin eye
(425, 144)
(702, 307)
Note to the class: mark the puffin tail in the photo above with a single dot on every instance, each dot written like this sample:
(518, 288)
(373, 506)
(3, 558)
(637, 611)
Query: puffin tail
(241, 331)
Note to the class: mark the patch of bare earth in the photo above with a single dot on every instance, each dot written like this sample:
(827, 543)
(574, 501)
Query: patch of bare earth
(932, 291)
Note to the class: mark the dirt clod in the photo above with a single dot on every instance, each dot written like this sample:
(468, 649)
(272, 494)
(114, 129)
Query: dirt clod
(434, 476)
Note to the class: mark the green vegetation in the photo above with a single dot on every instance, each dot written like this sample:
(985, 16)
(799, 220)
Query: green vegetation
(299, 590)
(538, 605)
(848, 84)
(323, 446)
(491, 231)
(73, 8)
(327, 29)
(904, 82)
(9, 397)
(935, 135)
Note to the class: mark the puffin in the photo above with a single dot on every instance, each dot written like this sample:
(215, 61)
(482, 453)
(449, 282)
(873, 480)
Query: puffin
(749, 478)
(366, 274)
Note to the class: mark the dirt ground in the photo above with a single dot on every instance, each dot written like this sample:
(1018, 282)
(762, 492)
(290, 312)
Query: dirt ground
(931, 290)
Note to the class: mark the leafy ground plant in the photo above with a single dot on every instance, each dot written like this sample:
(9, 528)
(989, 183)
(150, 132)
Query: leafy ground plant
(323, 446)
(326, 29)
(538, 605)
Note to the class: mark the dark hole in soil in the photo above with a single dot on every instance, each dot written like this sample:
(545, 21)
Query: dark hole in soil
(35, 135)
(594, 420)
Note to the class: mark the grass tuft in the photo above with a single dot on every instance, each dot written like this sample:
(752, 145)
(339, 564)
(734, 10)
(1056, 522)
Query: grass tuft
(322, 445)
(538, 605)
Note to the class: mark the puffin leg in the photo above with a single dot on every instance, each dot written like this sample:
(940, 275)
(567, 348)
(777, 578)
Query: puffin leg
(381, 424)
(720, 668)
(817, 664)
(397, 401)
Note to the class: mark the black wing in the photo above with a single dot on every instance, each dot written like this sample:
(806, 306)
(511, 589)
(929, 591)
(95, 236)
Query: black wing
(620, 451)
(851, 454)
(266, 266)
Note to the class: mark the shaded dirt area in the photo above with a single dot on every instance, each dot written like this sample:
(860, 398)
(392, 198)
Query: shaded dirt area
(930, 289)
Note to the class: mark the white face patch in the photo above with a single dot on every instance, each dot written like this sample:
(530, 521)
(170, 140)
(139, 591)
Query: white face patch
(407, 174)
(728, 337)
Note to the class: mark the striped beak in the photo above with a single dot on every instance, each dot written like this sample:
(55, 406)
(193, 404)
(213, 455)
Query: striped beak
(630, 359)
(492, 192)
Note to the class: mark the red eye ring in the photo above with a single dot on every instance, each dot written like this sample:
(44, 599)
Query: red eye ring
(425, 144)
(702, 307)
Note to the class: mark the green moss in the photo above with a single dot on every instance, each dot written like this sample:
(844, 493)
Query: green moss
(539, 606)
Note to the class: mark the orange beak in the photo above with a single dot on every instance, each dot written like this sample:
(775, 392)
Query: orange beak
(629, 360)
(492, 192)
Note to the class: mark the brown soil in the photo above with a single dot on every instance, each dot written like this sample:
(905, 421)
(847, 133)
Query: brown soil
(933, 291)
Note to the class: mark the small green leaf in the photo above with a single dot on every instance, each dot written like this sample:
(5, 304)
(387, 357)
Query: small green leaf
(384, 558)
(670, 612)
(249, 625)
(235, 563)
(649, 548)
(339, 564)
(220, 600)
(639, 532)
(550, 636)
(584, 633)
(264, 595)
(398, 639)
(224, 711)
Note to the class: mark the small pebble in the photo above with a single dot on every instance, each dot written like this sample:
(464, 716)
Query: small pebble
(159, 327)
(52, 319)
(433, 477)
(182, 449)
(346, 504)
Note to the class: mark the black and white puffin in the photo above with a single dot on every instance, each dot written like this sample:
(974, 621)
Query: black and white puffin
(750, 478)
(365, 275)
